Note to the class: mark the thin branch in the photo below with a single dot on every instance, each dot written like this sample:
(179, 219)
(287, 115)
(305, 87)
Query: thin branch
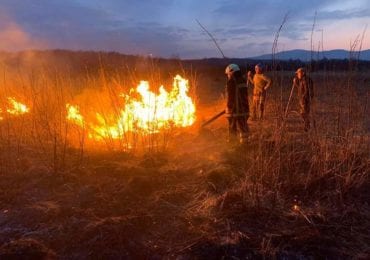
(353, 46)
(213, 39)
(321, 44)
(362, 39)
(312, 31)
(274, 45)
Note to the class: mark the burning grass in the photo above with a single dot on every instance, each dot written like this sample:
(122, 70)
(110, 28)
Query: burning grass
(148, 114)
(286, 194)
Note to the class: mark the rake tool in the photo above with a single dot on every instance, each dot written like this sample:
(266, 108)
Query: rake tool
(212, 119)
(290, 98)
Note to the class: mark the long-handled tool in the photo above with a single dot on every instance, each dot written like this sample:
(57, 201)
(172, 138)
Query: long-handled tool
(213, 119)
(290, 98)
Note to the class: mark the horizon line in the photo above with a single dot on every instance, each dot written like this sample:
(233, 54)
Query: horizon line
(149, 55)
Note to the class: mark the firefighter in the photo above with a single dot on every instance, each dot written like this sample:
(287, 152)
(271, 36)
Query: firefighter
(237, 107)
(304, 84)
(260, 84)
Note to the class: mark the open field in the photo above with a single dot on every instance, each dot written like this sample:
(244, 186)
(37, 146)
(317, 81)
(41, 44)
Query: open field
(183, 193)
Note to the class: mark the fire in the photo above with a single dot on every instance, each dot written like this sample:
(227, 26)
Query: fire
(17, 108)
(147, 114)
(14, 108)
(73, 114)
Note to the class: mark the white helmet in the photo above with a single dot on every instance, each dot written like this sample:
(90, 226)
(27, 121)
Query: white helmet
(231, 68)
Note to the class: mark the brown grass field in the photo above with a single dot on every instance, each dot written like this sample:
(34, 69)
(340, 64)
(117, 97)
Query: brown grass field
(184, 193)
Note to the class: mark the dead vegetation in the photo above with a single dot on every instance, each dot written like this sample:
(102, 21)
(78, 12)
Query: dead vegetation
(286, 194)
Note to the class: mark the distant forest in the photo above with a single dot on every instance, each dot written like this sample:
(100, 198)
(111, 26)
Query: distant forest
(81, 61)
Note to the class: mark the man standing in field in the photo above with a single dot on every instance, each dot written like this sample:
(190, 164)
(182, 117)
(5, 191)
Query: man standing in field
(260, 84)
(237, 107)
(305, 95)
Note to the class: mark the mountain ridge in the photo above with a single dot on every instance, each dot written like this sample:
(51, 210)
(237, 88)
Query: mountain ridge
(305, 55)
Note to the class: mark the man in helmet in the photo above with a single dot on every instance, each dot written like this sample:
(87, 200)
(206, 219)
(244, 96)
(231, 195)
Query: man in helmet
(237, 107)
(260, 84)
(304, 84)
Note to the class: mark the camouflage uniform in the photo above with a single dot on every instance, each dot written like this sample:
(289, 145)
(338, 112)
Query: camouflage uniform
(305, 95)
(237, 108)
(260, 82)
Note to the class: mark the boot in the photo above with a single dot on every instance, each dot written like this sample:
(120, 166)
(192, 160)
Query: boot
(307, 125)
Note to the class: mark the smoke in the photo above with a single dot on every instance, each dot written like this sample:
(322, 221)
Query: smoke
(15, 38)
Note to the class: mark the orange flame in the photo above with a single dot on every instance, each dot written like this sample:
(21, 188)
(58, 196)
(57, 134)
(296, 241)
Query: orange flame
(73, 114)
(14, 108)
(148, 115)
(17, 108)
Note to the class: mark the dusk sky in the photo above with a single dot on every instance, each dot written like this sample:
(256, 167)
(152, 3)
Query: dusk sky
(168, 27)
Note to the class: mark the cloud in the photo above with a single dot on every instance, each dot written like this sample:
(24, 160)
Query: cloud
(255, 47)
(344, 14)
(257, 12)
(168, 27)
(79, 26)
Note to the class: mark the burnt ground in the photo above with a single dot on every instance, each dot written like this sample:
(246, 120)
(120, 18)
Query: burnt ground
(285, 195)
(196, 200)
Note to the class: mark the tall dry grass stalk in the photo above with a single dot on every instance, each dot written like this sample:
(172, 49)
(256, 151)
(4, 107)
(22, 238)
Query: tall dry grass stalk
(58, 143)
(283, 183)
(312, 46)
(277, 81)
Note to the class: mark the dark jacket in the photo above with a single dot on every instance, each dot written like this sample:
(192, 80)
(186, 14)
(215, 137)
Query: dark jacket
(237, 96)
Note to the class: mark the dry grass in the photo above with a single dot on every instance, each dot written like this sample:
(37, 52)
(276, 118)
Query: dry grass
(286, 194)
